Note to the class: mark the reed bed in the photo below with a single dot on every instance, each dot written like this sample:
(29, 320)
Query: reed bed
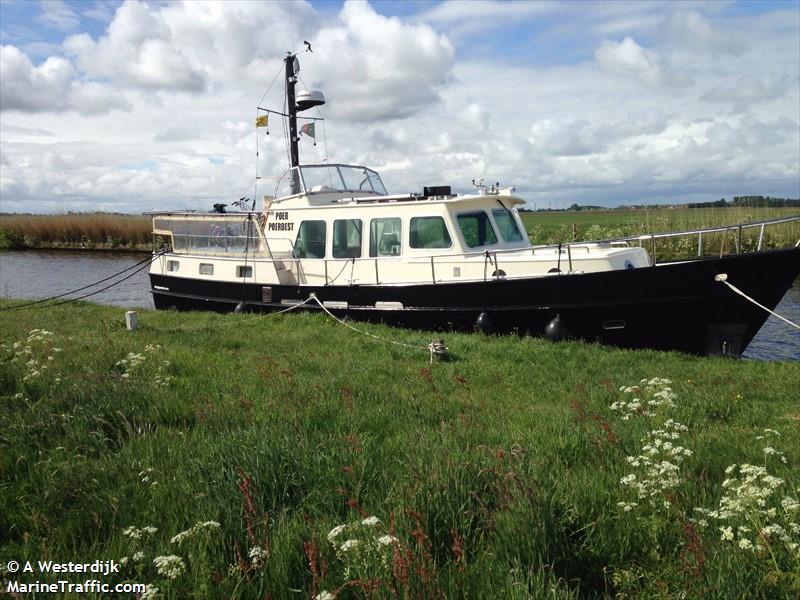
(76, 230)
(233, 456)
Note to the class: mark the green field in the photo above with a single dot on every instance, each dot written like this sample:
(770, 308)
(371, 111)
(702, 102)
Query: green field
(560, 227)
(233, 456)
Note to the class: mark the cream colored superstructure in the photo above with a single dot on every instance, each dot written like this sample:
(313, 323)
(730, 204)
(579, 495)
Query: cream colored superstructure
(262, 248)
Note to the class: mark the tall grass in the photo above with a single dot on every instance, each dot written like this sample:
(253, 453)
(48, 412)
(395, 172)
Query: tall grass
(495, 474)
(77, 230)
(563, 227)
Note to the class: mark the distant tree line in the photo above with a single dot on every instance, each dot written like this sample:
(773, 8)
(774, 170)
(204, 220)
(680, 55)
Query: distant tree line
(738, 201)
(748, 201)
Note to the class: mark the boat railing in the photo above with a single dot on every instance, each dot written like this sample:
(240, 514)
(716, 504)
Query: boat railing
(649, 240)
(492, 267)
(485, 264)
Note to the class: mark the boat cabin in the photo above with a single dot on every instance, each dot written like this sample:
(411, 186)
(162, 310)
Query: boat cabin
(336, 225)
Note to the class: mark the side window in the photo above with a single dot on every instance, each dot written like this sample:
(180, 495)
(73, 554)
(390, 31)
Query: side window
(347, 238)
(507, 225)
(385, 236)
(429, 232)
(310, 241)
(477, 229)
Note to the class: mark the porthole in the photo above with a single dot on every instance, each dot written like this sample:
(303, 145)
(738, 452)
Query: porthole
(244, 271)
(206, 269)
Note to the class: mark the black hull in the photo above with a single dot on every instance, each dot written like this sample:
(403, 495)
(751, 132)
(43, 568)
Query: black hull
(671, 306)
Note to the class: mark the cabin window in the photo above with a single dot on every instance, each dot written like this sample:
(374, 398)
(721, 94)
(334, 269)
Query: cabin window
(429, 232)
(347, 238)
(507, 225)
(206, 269)
(310, 241)
(385, 236)
(477, 229)
(173, 266)
(322, 179)
(244, 271)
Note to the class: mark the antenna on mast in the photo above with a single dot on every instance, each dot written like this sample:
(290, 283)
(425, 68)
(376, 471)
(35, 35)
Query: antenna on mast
(299, 102)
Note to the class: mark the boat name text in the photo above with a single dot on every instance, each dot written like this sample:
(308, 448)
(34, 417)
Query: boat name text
(280, 215)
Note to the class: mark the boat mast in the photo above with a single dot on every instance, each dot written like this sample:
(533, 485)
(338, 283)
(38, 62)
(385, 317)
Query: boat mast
(291, 80)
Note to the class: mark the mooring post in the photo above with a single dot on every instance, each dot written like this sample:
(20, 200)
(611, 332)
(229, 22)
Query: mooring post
(131, 320)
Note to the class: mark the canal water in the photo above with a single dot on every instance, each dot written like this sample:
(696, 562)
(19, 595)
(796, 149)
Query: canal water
(45, 273)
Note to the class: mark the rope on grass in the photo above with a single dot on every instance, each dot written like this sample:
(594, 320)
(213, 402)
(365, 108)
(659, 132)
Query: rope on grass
(723, 278)
(436, 347)
(253, 318)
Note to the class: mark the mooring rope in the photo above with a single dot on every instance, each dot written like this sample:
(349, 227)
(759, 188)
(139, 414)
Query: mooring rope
(436, 347)
(723, 278)
(144, 264)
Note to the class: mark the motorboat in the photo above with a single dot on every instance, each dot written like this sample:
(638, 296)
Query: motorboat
(441, 260)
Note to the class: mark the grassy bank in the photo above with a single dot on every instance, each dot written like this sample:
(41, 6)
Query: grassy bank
(288, 457)
(88, 231)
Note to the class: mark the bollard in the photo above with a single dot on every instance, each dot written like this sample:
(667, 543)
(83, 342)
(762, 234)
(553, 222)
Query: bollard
(131, 320)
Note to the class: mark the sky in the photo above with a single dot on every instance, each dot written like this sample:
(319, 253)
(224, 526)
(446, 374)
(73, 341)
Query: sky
(135, 106)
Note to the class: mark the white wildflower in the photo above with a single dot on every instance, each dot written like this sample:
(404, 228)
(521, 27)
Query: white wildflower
(348, 545)
(323, 595)
(745, 544)
(179, 538)
(789, 504)
(335, 532)
(386, 540)
(257, 556)
(371, 521)
(150, 592)
(170, 566)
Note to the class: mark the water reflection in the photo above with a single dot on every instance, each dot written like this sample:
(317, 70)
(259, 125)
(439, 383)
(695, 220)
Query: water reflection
(45, 273)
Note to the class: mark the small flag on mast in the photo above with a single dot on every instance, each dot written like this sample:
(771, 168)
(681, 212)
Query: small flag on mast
(308, 129)
(262, 121)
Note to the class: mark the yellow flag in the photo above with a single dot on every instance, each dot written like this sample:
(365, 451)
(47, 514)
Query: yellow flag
(262, 121)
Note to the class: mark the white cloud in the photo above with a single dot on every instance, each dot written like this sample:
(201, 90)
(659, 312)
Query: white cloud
(378, 68)
(137, 51)
(632, 115)
(99, 10)
(50, 87)
(750, 90)
(691, 31)
(629, 58)
(463, 19)
(58, 15)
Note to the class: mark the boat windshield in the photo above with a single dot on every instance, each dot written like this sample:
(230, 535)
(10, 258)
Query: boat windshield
(330, 178)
